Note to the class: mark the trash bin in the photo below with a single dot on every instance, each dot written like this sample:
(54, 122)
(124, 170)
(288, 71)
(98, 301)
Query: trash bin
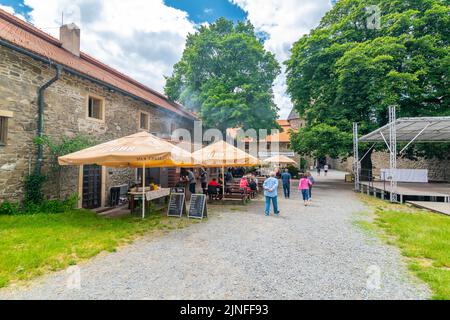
(349, 177)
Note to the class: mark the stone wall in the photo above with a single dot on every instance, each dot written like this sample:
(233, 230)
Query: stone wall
(65, 115)
(296, 124)
(439, 169)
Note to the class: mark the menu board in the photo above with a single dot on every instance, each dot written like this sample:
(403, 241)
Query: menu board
(198, 208)
(177, 205)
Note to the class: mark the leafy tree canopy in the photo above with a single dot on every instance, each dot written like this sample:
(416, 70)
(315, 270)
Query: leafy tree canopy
(322, 140)
(344, 71)
(226, 76)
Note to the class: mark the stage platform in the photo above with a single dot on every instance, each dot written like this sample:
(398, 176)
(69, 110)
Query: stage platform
(424, 192)
(439, 207)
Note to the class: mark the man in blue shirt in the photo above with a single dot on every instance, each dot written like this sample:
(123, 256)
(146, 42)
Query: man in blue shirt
(286, 178)
(271, 193)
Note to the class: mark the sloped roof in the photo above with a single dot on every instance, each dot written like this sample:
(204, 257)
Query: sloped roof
(26, 36)
(293, 115)
(283, 123)
(284, 136)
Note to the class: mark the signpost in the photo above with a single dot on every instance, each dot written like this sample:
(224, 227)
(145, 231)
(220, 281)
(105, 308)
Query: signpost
(198, 208)
(177, 205)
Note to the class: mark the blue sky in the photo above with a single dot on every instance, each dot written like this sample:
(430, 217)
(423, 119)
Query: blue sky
(145, 38)
(208, 10)
(199, 10)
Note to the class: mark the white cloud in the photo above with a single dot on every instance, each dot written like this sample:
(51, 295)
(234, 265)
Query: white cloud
(285, 22)
(11, 11)
(141, 38)
(7, 8)
(145, 38)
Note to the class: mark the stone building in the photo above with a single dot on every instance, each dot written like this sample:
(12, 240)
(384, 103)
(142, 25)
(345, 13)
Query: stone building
(280, 143)
(277, 143)
(49, 86)
(295, 121)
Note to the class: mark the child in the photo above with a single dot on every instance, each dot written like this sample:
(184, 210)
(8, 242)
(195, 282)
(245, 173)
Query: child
(304, 188)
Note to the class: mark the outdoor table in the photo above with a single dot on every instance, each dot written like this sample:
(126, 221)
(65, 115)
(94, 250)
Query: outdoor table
(149, 196)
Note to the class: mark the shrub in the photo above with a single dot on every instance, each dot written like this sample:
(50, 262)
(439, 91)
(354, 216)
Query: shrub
(9, 209)
(71, 202)
(33, 188)
(48, 206)
(53, 206)
(293, 170)
(303, 164)
(30, 208)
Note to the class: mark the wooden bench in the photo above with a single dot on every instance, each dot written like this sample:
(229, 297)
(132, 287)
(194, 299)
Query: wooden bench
(234, 192)
(214, 193)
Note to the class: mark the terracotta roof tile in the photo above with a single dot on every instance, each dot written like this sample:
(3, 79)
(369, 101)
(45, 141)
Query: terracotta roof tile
(283, 123)
(284, 136)
(30, 38)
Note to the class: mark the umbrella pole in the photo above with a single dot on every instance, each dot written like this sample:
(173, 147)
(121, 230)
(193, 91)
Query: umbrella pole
(223, 181)
(143, 191)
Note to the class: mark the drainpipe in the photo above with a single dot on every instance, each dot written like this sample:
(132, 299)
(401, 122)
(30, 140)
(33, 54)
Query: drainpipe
(41, 106)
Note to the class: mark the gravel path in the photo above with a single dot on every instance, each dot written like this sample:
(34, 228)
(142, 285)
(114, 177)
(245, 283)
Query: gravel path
(307, 253)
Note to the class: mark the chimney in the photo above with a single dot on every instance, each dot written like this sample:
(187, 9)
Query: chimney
(69, 35)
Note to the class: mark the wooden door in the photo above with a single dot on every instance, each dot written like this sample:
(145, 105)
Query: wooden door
(92, 187)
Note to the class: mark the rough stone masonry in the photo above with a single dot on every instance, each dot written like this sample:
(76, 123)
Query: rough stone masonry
(65, 115)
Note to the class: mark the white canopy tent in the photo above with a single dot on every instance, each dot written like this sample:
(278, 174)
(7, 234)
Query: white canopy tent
(406, 130)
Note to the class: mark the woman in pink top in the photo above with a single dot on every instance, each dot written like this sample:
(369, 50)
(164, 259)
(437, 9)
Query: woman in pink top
(244, 183)
(304, 188)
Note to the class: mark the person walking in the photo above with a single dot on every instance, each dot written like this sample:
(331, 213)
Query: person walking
(318, 170)
(326, 168)
(303, 187)
(271, 193)
(191, 180)
(286, 179)
(311, 179)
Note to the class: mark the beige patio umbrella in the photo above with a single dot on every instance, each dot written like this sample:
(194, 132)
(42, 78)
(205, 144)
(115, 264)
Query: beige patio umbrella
(280, 159)
(140, 150)
(222, 154)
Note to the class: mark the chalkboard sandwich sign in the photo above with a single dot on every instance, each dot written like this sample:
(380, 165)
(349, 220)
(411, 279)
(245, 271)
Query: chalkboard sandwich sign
(198, 208)
(177, 205)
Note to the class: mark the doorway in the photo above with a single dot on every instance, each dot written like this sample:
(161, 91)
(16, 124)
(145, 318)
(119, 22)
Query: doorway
(92, 186)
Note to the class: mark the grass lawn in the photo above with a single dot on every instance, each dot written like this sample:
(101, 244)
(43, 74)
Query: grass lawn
(422, 236)
(33, 245)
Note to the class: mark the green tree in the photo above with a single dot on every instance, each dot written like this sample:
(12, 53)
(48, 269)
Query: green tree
(226, 76)
(321, 140)
(344, 71)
